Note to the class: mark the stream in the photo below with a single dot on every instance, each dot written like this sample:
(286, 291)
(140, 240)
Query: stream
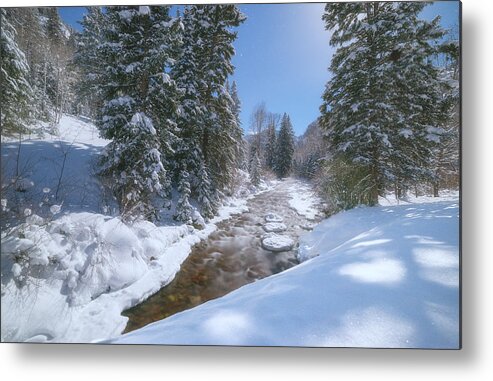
(229, 258)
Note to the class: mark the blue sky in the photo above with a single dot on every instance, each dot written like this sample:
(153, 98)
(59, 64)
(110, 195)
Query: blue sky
(282, 56)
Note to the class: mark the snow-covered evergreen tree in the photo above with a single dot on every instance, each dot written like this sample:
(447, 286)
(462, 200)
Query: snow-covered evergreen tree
(255, 168)
(445, 161)
(381, 108)
(134, 56)
(16, 94)
(31, 25)
(236, 101)
(183, 208)
(88, 61)
(207, 196)
(221, 134)
(55, 70)
(53, 26)
(417, 97)
(241, 147)
(284, 148)
(270, 146)
(190, 118)
(208, 129)
(133, 161)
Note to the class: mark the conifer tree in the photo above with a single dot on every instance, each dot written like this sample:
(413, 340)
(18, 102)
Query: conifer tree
(183, 208)
(16, 93)
(88, 61)
(48, 45)
(240, 145)
(134, 56)
(284, 148)
(445, 160)
(236, 101)
(208, 129)
(417, 96)
(55, 72)
(255, 168)
(380, 107)
(53, 27)
(190, 119)
(270, 146)
(31, 26)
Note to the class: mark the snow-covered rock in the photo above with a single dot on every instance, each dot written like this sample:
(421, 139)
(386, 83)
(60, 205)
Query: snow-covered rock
(307, 226)
(272, 217)
(277, 242)
(23, 184)
(55, 209)
(274, 227)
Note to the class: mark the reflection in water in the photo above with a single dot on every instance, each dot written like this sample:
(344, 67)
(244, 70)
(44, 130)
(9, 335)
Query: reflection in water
(231, 257)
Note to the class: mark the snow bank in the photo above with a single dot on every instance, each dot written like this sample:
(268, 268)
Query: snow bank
(68, 280)
(445, 195)
(378, 277)
(304, 200)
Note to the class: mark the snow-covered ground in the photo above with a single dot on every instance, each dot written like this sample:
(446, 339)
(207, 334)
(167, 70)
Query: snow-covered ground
(385, 276)
(304, 200)
(40, 165)
(67, 277)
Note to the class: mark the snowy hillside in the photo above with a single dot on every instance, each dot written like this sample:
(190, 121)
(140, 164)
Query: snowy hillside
(386, 276)
(55, 169)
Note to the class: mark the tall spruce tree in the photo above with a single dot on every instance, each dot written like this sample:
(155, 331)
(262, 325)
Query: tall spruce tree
(381, 111)
(134, 56)
(55, 70)
(53, 26)
(16, 93)
(238, 132)
(255, 166)
(183, 208)
(209, 132)
(418, 97)
(48, 45)
(189, 157)
(87, 60)
(270, 145)
(445, 161)
(233, 91)
(284, 148)
(32, 40)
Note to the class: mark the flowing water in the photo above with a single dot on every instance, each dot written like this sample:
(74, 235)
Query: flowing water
(229, 258)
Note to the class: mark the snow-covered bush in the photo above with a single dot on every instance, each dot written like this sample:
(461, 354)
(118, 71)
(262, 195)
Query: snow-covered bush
(90, 253)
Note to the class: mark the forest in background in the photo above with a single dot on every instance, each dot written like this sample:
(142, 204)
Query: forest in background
(158, 87)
